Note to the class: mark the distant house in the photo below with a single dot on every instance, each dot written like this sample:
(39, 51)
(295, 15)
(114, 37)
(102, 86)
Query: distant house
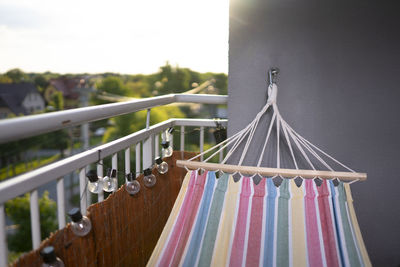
(67, 86)
(19, 98)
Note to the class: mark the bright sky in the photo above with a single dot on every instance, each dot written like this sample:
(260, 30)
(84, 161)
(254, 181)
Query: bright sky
(125, 36)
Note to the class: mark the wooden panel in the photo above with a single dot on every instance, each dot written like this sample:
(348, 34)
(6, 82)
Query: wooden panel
(125, 228)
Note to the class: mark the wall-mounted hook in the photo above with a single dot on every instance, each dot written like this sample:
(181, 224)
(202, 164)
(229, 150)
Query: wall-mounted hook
(273, 75)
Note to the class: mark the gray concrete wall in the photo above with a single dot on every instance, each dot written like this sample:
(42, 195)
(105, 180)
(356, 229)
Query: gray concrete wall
(338, 86)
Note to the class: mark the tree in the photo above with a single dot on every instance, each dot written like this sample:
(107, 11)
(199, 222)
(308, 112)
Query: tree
(41, 83)
(17, 75)
(18, 211)
(5, 79)
(127, 124)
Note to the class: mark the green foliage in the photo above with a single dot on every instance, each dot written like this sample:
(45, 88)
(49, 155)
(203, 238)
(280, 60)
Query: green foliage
(127, 124)
(41, 83)
(18, 211)
(5, 79)
(57, 101)
(17, 76)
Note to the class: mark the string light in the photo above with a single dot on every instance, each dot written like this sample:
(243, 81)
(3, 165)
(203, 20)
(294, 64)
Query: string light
(49, 258)
(169, 133)
(94, 183)
(162, 166)
(220, 133)
(81, 225)
(110, 182)
(166, 149)
(149, 179)
(132, 185)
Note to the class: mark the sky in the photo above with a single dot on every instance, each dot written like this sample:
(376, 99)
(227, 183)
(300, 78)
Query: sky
(131, 36)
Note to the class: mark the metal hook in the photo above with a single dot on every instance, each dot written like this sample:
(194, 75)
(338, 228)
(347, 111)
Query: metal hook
(273, 74)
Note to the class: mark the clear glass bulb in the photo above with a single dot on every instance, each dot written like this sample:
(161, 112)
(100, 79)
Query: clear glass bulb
(49, 258)
(94, 182)
(162, 167)
(110, 184)
(167, 152)
(150, 180)
(95, 187)
(132, 187)
(80, 225)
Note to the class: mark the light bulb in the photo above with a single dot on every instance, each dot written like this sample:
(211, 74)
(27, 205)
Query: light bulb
(132, 185)
(94, 183)
(110, 182)
(80, 225)
(49, 258)
(168, 134)
(166, 149)
(162, 166)
(149, 179)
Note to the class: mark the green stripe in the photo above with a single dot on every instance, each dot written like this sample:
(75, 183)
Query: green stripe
(213, 221)
(350, 245)
(282, 240)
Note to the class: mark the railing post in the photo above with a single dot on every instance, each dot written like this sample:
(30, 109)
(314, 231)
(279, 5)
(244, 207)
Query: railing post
(156, 145)
(182, 138)
(114, 164)
(171, 141)
(60, 203)
(100, 196)
(137, 156)
(82, 190)
(3, 237)
(127, 160)
(148, 146)
(201, 141)
(35, 219)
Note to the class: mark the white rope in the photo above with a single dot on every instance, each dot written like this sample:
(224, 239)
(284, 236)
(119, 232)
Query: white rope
(288, 140)
(214, 147)
(315, 154)
(223, 147)
(321, 151)
(278, 160)
(259, 114)
(266, 140)
(246, 147)
(236, 145)
(299, 146)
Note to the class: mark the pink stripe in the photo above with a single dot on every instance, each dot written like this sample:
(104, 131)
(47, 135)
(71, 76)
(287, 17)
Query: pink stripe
(313, 243)
(255, 230)
(240, 230)
(177, 230)
(190, 218)
(327, 225)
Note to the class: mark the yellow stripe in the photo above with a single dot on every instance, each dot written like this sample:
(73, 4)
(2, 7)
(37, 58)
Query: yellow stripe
(170, 223)
(298, 229)
(224, 235)
(356, 227)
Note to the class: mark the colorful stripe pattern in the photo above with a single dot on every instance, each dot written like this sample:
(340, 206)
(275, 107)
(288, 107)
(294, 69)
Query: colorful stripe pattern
(219, 222)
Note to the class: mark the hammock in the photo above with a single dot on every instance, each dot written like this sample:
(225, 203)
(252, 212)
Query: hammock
(241, 219)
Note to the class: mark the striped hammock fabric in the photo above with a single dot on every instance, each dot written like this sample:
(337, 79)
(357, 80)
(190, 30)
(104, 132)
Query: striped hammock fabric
(220, 222)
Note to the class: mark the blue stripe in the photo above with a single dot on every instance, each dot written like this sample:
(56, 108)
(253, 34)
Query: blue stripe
(269, 227)
(335, 217)
(200, 226)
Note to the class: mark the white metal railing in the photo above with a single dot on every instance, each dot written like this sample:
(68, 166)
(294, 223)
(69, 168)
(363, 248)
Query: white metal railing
(146, 143)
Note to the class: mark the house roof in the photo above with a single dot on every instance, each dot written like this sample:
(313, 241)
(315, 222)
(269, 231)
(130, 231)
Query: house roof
(66, 86)
(13, 94)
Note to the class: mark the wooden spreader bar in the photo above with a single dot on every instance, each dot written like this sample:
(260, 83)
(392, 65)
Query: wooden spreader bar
(289, 173)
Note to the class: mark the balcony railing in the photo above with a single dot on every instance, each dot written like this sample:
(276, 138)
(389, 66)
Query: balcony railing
(145, 142)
